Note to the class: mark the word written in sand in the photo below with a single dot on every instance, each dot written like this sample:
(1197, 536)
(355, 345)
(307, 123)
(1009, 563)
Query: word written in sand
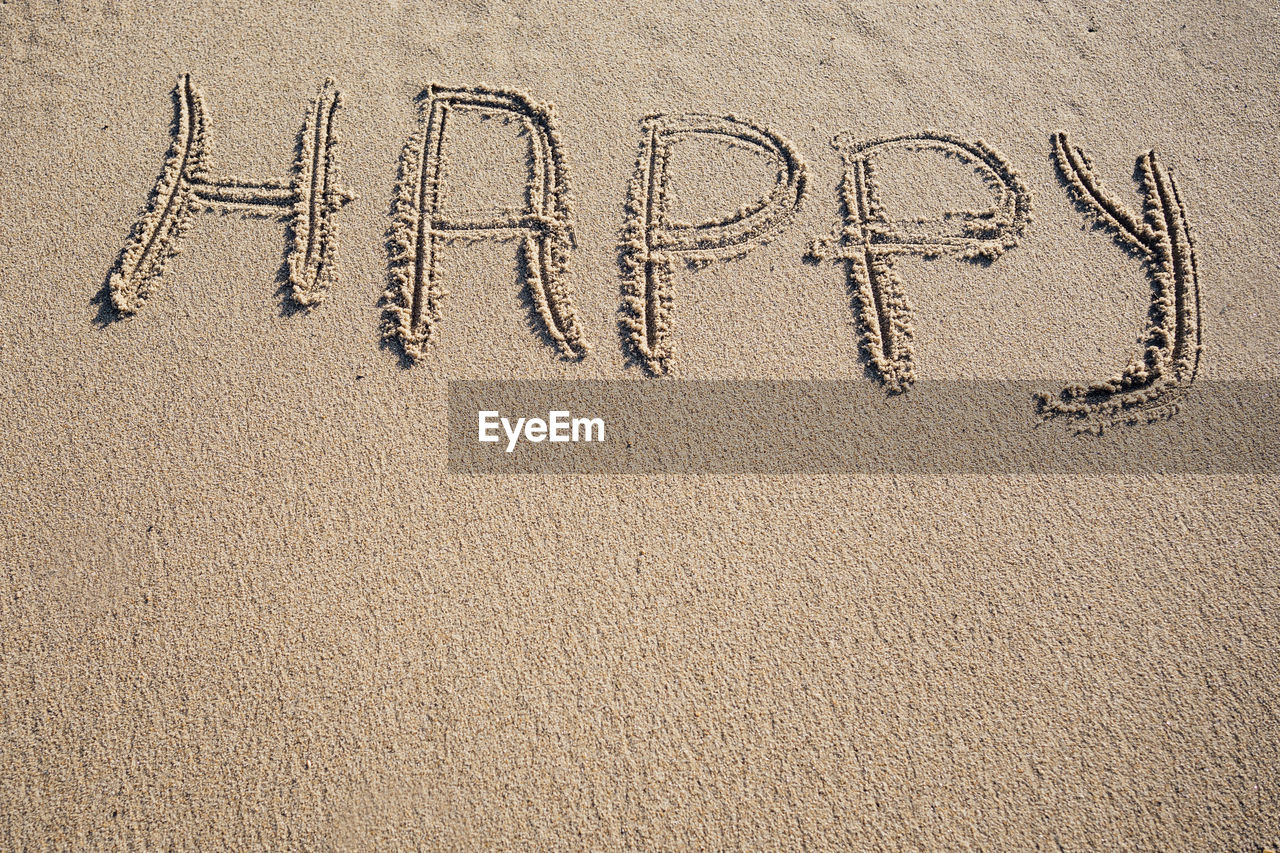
(307, 202)
(559, 427)
(544, 228)
(1152, 385)
(652, 244)
(867, 239)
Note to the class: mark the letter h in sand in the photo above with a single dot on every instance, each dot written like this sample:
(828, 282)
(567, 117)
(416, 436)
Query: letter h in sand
(307, 201)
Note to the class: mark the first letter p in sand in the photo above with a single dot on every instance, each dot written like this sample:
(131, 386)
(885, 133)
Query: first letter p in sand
(652, 244)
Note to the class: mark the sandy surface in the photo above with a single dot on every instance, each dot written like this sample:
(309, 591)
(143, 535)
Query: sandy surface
(244, 606)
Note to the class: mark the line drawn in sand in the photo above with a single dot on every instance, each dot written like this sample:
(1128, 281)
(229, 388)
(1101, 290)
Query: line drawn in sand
(868, 239)
(307, 202)
(652, 244)
(1151, 387)
(419, 229)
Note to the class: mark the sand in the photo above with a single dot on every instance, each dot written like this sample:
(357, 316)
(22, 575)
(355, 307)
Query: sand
(245, 605)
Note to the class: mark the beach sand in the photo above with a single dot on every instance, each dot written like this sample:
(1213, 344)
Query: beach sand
(244, 605)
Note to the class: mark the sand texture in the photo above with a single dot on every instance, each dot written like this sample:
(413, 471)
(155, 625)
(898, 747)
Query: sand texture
(244, 604)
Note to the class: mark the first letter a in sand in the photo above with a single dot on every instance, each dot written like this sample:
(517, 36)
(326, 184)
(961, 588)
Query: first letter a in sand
(307, 201)
(421, 229)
